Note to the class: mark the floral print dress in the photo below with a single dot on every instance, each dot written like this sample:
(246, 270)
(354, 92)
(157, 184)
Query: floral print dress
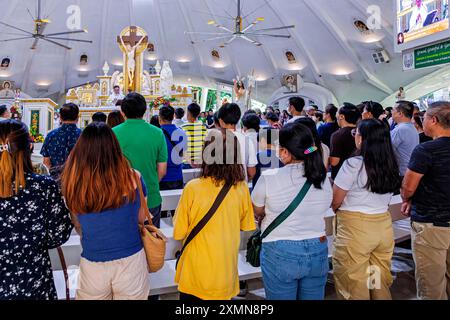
(31, 222)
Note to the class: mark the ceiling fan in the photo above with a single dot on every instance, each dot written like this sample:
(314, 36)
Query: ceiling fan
(239, 32)
(38, 34)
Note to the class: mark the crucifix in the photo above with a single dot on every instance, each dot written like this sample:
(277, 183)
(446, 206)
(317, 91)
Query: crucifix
(133, 45)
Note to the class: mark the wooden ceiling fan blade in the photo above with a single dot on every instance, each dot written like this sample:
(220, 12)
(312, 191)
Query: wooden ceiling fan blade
(10, 26)
(65, 33)
(275, 29)
(15, 39)
(68, 39)
(56, 43)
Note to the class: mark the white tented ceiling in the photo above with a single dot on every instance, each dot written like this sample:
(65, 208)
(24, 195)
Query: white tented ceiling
(325, 42)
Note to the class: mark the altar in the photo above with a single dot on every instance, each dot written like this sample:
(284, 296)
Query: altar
(153, 84)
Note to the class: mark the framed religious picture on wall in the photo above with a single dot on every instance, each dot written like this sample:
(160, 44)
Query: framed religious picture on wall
(290, 82)
(215, 55)
(7, 89)
(5, 63)
(290, 57)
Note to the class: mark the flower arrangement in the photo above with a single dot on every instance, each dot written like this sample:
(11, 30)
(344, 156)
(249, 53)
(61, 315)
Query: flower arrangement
(16, 112)
(160, 102)
(35, 136)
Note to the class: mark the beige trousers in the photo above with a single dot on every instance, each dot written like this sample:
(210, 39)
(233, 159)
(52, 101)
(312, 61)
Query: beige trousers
(363, 249)
(431, 252)
(124, 279)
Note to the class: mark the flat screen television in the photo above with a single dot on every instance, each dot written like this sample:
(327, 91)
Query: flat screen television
(419, 22)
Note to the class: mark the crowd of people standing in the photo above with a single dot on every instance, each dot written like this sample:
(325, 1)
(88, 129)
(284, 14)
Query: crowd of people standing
(96, 175)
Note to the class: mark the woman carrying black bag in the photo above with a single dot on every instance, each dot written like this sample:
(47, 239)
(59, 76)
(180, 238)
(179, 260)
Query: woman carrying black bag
(210, 215)
(292, 202)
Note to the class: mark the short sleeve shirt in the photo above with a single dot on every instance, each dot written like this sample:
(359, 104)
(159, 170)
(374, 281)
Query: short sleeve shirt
(196, 134)
(404, 139)
(176, 141)
(208, 268)
(144, 146)
(353, 178)
(342, 147)
(59, 143)
(431, 202)
(326, 130)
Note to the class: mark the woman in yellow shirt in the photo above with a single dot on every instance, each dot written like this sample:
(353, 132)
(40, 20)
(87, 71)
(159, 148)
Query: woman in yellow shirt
(208, 268)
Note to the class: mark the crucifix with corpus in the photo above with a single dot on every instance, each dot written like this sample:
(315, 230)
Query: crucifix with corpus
(133, 41)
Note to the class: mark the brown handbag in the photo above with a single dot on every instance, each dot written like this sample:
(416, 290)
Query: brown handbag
(153, 239)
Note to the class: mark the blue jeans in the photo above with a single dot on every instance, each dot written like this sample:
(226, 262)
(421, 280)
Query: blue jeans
(295, 270)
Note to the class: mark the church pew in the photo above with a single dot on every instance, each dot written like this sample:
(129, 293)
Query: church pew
(162, 282)
(190, 174)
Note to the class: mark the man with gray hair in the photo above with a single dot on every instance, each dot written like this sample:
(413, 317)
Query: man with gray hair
(405, 136)
(426, 198)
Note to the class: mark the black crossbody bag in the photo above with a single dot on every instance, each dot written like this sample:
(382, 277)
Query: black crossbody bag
(202, 223)
(254, 244)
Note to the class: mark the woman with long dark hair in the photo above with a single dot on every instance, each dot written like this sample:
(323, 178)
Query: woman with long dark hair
(208, 268)
(33, 219)
(363, 190)
(102, 192)
(294, 257)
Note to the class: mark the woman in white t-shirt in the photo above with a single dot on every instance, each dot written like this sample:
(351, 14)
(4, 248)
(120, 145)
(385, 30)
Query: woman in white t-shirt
(294, 257)
(364, 240)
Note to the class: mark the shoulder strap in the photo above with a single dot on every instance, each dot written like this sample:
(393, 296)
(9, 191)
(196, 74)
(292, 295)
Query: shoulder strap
(64, 269)
(143, 209)
(286, 213)
(202, 223)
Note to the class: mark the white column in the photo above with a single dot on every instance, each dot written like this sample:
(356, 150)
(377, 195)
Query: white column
(204, 98)
(219, 91)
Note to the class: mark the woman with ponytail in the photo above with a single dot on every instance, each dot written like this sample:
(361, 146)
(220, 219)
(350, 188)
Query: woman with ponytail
(33, 219)
(363, 189)
(294, 257)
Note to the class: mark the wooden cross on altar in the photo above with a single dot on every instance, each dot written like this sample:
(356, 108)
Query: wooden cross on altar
(133, 39)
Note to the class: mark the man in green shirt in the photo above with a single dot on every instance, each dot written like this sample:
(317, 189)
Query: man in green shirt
(145, 148)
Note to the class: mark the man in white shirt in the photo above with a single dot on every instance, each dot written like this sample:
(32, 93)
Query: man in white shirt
(296, 106)
(418, 17)
(4, 113)
(229, 116)
(116, 96)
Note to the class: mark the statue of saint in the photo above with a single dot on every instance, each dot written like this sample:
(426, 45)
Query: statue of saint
(166, 79)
